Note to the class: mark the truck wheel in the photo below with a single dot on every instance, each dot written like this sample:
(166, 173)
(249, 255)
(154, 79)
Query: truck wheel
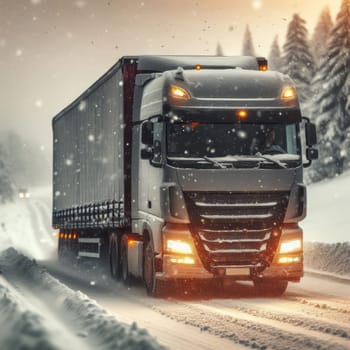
(154, 287)
(272, 288)
(124, 261)
(114, 257)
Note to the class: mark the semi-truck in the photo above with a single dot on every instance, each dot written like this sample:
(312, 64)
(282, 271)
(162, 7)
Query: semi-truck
(185, 168)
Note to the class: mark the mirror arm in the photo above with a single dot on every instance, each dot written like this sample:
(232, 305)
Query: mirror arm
(306, 165)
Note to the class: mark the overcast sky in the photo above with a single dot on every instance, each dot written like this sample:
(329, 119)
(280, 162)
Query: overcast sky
(52, 50)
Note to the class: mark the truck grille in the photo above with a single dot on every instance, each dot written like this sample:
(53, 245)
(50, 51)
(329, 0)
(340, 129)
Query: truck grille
(236, 228)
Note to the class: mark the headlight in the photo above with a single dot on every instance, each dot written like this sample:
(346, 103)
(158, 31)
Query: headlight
(178, 246)
(290, 246)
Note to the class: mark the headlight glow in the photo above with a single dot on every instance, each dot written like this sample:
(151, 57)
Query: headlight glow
(177, 246)
(290, 246)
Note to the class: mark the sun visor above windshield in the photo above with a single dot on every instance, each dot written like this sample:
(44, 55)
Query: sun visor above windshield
(232, 115)
(233, 95)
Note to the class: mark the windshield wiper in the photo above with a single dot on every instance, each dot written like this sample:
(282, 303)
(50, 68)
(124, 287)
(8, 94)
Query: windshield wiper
(213, 161)
(272, 160)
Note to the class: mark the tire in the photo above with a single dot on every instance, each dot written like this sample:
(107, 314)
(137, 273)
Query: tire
(272, 288)
(154, 287)
(114, 257)
(124, 269)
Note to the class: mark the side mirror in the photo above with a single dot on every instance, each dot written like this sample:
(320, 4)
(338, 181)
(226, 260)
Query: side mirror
(147, 133)
(311, 136)
(312, 154)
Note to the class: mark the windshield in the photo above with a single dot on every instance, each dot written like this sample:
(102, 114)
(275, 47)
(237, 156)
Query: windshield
(197, 140)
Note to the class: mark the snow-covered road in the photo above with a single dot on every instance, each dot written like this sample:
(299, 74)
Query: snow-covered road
(312, 315)
(48, 305)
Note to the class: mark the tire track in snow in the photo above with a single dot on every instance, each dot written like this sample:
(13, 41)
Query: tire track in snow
(333, 308)
(291, 318)
(250, 331)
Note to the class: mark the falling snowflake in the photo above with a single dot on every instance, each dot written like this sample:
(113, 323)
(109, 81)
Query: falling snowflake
(82, 106)
(91, 138)
(80, 4)
(19, 52)
(38, 103)
(257, 4)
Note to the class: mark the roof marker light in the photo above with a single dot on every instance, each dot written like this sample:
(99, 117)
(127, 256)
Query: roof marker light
(178, 93)
(242, 114)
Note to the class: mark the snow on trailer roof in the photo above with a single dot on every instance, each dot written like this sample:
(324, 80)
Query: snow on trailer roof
(151, 63)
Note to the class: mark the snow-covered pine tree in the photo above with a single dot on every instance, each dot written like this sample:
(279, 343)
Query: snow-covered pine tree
(297, 60)
(6, 188)
(248, 47)
(275, 59)
(331, 104)
(321, 34)
(219, 50)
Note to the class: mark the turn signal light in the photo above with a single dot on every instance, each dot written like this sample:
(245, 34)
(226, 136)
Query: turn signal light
(178, 92)
(198, 67)
(131, 242)
(263, 67)
(242, 114)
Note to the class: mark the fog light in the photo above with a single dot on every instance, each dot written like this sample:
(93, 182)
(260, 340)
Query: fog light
(177, 246)
(185, 260)
(289, 259)
(290, 246)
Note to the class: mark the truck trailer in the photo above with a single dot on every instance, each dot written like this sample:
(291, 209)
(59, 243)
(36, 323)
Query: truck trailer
(185, 168)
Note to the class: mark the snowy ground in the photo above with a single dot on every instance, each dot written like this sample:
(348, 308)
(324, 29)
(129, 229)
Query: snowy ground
(328, 219)
(47, 306)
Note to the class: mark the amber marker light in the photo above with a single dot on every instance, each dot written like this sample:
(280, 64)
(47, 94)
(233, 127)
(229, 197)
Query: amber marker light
(178, 93)
(131, 242)
(263, 67)
(288, 93)
(198, 67)
(242, 114)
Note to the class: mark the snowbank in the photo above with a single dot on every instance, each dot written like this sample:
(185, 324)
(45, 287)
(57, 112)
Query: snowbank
(82, 314)
(328, 211)
(21, 328)
(330, 258)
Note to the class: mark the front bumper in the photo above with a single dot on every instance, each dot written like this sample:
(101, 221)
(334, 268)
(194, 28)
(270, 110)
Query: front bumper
(290, 271)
